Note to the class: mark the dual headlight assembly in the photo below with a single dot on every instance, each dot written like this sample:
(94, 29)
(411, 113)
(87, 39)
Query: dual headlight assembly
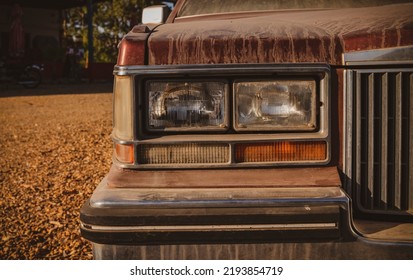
(290, 111)
(277, 105)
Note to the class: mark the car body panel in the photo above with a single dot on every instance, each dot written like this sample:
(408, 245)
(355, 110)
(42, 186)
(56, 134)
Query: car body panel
(281, 37)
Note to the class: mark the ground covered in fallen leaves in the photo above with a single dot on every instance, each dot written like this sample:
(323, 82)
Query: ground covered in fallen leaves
(55, 148)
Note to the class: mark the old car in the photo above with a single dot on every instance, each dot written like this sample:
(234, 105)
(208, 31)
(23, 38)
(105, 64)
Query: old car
(261, 130)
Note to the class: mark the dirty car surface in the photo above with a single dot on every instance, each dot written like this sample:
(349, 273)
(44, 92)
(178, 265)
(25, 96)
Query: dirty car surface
(261, 129)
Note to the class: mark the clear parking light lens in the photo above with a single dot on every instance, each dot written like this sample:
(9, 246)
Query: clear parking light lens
(183, 153)
(275, 105)
(187, 105)
(122, 106)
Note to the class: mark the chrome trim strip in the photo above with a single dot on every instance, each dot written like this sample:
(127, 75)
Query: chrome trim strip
(100, 202)
(219, 69)
(177, 228)
(347, 149)
(398, 55)
(106, 196)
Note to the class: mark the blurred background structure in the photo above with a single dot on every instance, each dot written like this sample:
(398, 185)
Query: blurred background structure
(74, 39)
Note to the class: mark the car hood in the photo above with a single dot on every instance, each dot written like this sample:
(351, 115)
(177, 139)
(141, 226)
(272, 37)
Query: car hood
(281, 37)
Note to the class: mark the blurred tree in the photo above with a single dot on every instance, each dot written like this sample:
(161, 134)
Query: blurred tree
(111, 21)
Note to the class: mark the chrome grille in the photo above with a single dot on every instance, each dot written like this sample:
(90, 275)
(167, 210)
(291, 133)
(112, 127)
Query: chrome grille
(379, 139)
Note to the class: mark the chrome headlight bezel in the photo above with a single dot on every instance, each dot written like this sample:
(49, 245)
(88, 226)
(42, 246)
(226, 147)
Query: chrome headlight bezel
(321, 73)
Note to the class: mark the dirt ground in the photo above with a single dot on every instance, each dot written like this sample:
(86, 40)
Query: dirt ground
(55, 148)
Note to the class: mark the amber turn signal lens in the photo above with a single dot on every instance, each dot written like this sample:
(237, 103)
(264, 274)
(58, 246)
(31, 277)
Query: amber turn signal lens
(281, 152)
(124, 153)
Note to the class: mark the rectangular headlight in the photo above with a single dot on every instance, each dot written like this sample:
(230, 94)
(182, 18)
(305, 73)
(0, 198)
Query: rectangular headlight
(187, 105)
(276, 105)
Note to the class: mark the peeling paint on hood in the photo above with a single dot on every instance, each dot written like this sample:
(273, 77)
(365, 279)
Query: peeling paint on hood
(282, 37)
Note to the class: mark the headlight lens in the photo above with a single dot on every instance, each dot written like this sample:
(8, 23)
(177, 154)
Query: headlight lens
(185, 105)
(275, 105)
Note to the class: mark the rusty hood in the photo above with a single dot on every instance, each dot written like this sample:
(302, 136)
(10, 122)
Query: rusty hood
(281, 37)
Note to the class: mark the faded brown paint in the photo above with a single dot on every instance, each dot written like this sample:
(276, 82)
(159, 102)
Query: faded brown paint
(313, 36)
(225, 178)
(132, 51)
(132, 48)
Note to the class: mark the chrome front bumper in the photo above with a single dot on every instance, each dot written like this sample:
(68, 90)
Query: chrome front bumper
(177, 214)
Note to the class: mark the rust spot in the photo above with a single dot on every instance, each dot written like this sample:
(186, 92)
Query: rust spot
(406, 35)
(364, 40)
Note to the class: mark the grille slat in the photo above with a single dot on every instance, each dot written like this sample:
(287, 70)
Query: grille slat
(381, 126)
(371, 146)
(410, 195)
(398, 142)
(384, 142)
